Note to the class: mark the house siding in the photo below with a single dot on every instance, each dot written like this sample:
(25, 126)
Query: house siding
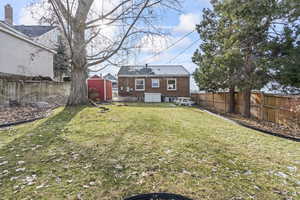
(182, 86)
(49, 39)
(19, 57)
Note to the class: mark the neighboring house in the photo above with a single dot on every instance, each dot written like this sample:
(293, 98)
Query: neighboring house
(113, 79)
(23, 57)
(47, 36)
(165, 81)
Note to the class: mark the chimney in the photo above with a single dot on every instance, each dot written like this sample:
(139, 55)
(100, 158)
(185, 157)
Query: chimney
(8, 10)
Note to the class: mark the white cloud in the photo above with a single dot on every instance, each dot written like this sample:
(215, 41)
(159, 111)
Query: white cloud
(31, 15)
(26, 17)
(187, 22)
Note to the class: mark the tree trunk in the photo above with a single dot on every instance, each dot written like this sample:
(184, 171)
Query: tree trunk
(231, 100)
(247, 102)
(249, 63)
(73, 25)
(79, 91)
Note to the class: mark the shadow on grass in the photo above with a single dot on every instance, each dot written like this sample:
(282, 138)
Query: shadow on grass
(45, 133)
(115, 166)
(112, 162)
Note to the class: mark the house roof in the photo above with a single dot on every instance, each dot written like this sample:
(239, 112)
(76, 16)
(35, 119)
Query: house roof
(33, 31)
(13, 32)
(109, 76)
(152, 70)
(3, 24)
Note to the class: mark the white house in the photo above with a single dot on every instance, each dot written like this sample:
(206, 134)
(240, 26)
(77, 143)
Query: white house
(48, 36)
(20, 55)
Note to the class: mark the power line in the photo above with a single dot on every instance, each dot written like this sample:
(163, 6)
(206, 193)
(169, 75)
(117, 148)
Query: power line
(173, 44)
(184, 50)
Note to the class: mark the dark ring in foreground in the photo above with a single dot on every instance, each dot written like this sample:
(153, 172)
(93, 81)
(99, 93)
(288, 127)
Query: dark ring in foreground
(158, 196)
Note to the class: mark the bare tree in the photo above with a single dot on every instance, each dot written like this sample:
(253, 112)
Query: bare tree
(85, 23)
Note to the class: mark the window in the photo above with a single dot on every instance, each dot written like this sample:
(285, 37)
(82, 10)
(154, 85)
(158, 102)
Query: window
(155, 83)
(139, 84)
(171, 84)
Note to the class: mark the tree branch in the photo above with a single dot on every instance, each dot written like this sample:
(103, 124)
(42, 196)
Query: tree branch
(124, 37)
(107, 14)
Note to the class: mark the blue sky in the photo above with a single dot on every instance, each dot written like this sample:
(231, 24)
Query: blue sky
(179, 24)
(17, 6)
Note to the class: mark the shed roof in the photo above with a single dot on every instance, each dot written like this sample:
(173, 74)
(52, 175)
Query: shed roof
(153, 70)
(33, 31)
(95, 77)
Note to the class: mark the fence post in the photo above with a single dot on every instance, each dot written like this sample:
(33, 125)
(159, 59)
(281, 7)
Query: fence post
(213, 97)
(225, 102)
(262, 104)
(277, 109)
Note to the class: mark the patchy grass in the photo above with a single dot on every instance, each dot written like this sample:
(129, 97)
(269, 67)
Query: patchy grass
(83, 153)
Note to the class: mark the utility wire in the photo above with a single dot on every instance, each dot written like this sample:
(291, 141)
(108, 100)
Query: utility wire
(184, 50)
(173, 44)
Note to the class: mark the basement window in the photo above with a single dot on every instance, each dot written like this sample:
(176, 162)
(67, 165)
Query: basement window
(139, 84)
(155, 83)
(171, 84)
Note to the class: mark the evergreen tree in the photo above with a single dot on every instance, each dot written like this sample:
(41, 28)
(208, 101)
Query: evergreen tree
(284, 47)
(236, 45)
(61, 61)
(218, 61)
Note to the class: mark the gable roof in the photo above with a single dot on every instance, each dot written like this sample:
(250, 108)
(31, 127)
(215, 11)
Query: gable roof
(8, 27)
(13, 32)
(153, 70)
(110, 77)
(33, 31)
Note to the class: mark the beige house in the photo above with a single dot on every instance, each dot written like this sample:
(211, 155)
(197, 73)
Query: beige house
(44, 37)
(48, 36)
(21, 56)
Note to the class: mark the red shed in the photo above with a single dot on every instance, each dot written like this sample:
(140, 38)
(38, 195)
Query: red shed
(99, 89)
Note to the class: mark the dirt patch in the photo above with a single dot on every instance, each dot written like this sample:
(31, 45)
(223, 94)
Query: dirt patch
(22, 113)
(292, 132)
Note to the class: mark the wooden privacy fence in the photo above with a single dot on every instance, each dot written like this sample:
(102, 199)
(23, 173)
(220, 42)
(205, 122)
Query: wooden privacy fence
(275, 108)
(33, 91)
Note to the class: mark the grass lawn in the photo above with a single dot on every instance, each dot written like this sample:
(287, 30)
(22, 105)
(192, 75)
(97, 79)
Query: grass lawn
(81, 153)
